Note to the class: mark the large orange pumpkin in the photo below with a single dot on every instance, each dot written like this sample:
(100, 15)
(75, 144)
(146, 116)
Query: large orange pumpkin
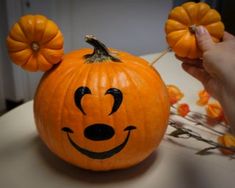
(180, 26)
(35, 43)
(102, 109)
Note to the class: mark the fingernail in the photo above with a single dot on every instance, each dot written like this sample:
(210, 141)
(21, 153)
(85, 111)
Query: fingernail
(200, 30)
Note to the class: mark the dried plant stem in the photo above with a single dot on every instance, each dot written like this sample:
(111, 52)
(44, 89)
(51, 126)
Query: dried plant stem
(191, 119)
(160, 56)
(191, 134)
(179, 132)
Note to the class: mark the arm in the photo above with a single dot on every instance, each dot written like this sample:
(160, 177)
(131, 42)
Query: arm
(216, 70)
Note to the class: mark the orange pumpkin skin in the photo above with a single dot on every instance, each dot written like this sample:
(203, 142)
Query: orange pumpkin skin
(145, 106)
(180, 26)
(35, 43)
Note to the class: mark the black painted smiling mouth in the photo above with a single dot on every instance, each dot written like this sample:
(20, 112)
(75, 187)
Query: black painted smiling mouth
(99, 155)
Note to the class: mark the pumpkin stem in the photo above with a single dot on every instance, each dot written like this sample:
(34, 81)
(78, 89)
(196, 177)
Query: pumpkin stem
(35, 46)
(192, 28)
(101, 52)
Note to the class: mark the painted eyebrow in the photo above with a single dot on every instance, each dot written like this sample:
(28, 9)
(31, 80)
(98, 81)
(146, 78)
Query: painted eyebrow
(79, 93)
(117, 95)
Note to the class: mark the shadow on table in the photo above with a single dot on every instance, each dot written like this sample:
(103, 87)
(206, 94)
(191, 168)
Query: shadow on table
(63, 168)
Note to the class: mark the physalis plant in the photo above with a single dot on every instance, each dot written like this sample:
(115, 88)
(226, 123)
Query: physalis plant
(213, 110)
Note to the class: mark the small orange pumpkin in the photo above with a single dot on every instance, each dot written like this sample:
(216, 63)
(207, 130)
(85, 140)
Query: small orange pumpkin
(180, 26)
(35, 43)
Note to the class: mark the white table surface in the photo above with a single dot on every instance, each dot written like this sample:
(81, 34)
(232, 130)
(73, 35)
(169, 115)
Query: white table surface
(25, 162)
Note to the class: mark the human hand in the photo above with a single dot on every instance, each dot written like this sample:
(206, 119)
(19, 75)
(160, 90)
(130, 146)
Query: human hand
(216, 69)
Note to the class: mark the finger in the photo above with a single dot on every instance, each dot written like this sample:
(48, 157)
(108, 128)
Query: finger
(204, 39)
(193, 62)
(190, 61)
(199, 74)
(227, 36)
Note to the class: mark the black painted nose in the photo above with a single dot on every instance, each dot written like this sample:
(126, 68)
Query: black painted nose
(99, 132)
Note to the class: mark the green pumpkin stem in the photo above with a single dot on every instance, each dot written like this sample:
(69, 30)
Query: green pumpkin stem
(101, 52)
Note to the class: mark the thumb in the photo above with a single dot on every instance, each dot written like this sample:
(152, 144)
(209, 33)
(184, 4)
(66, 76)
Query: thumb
(204, 39)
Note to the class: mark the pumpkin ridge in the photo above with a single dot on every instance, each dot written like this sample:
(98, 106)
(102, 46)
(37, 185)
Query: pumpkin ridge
(42, 19)
(172, 42)
(25, 60)
(49, 46)
(186, 30)
(204, 13)
(111, 71)
(11, 40)
(177, 14)
(44, 41)
(156, 80)
(188, 16)
(136, 61)
(50, 144)
(99, 70)
(55, 49)
(49, 57)
(214, 36)
(23, 29)
(38, 108)
(192, 49)
(147, 73)
(13, 36)
(212, 21)
(183, 26)
(88, 70)
(29, 62)
(44, 56)
(71, 76)
(180, 40)
(60, 110)
(44, 30)
(188, 13)
(37, 60)
(48, 41)
(135, 85)
(141, 67)
(43, 63)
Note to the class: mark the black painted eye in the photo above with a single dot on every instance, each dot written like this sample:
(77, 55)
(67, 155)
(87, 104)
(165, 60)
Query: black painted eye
(117, 95)
(79, 93)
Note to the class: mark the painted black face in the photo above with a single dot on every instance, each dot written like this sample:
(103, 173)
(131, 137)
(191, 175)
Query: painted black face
(99, 131)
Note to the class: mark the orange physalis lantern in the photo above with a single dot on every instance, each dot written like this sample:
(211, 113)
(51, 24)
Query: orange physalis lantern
(227, 140)
(203, 97)
(183, 109)
(215, 111)
(174, 94)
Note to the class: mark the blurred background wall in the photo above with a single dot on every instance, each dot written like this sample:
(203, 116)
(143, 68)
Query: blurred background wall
(135, 26)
